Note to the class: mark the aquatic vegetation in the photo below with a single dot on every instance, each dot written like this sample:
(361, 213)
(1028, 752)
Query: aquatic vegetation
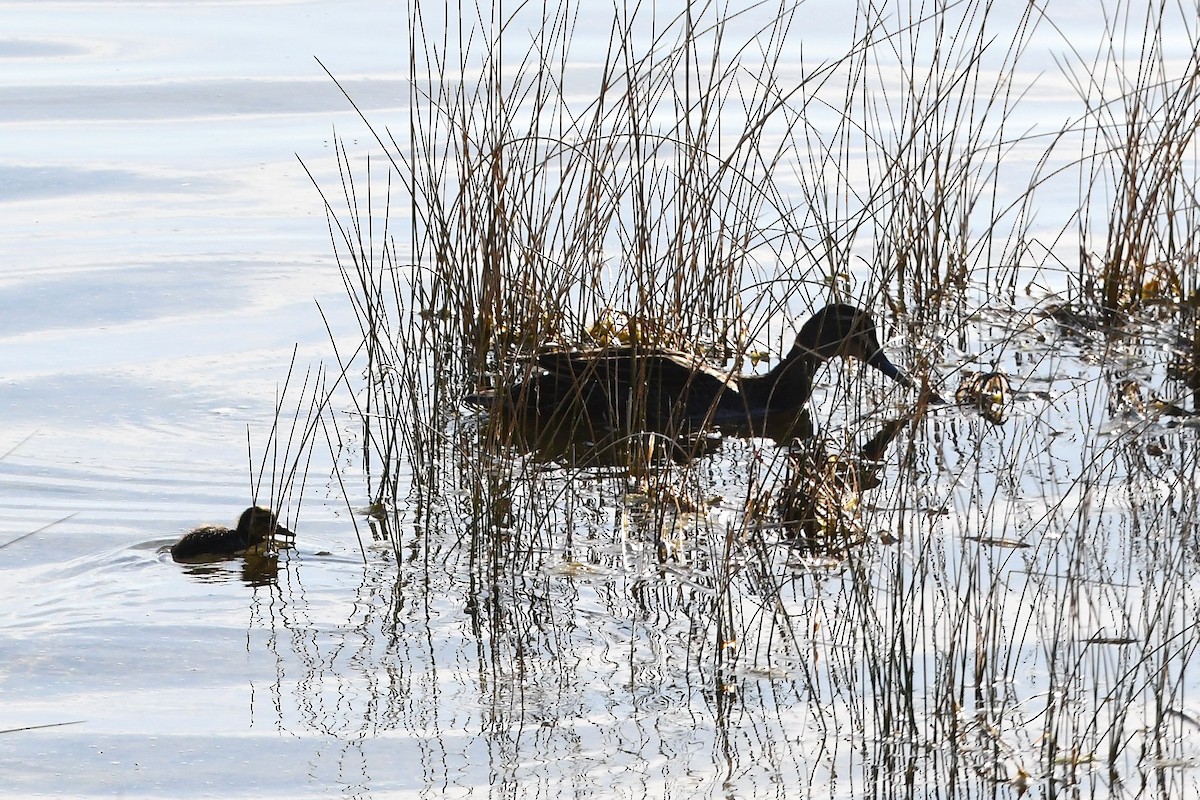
(989, 392)
(994, 593)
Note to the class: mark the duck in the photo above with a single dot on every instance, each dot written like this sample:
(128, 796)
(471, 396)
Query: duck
(649, 389)
(255, 526)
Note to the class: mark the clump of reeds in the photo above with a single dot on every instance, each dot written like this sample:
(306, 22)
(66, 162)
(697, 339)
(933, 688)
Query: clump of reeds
(542, 214)
(541, 211)
(302, 416)
(1138, 176)
(695, 190)
(649, 205)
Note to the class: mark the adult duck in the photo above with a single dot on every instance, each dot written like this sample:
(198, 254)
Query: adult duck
(255, 526)
(642, 388)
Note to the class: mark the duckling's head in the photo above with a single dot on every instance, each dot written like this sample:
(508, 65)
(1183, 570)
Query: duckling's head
(843, 330)
(257, 524)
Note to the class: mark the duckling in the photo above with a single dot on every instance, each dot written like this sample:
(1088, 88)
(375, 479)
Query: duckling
(255, 526)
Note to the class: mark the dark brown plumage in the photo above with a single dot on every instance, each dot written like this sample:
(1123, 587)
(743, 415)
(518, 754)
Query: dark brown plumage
(255, 526)
(652, 389)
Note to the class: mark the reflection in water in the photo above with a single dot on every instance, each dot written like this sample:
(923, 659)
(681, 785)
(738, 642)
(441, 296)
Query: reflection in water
(254, 569)
(551, 626)
(820, 502)
(608, 635)
(576, 440)
(558, 624)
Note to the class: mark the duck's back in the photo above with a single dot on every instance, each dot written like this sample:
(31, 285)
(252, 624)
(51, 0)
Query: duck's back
(208, 540)
(625, 385)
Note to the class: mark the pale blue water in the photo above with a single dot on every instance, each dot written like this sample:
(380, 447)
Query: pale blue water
(161, 249)
(160, 253)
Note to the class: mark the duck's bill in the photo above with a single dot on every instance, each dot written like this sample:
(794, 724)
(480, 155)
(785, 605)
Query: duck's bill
(281, 532)
(880, 362)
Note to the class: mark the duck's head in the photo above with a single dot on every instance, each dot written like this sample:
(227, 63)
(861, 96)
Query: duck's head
(843, 330)
(257, 524)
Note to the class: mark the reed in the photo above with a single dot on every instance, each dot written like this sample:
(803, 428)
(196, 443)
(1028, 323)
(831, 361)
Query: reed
(699, 188)
(301, 418)
(1138, 173)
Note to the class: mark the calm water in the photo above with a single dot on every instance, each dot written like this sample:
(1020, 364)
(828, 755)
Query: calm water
(161, 249)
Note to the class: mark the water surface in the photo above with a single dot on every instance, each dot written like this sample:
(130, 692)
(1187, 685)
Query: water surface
(1022, 611)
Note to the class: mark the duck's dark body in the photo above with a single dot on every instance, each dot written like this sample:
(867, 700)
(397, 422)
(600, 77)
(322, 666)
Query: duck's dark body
(650, 389)
(254, 527)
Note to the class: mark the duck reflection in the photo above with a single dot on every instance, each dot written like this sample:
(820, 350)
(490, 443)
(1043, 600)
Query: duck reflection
(576, 441)
(254, 570)
(819, 503)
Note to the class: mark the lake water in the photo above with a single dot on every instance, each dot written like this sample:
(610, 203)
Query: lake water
(162, 249)
(162, 256)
